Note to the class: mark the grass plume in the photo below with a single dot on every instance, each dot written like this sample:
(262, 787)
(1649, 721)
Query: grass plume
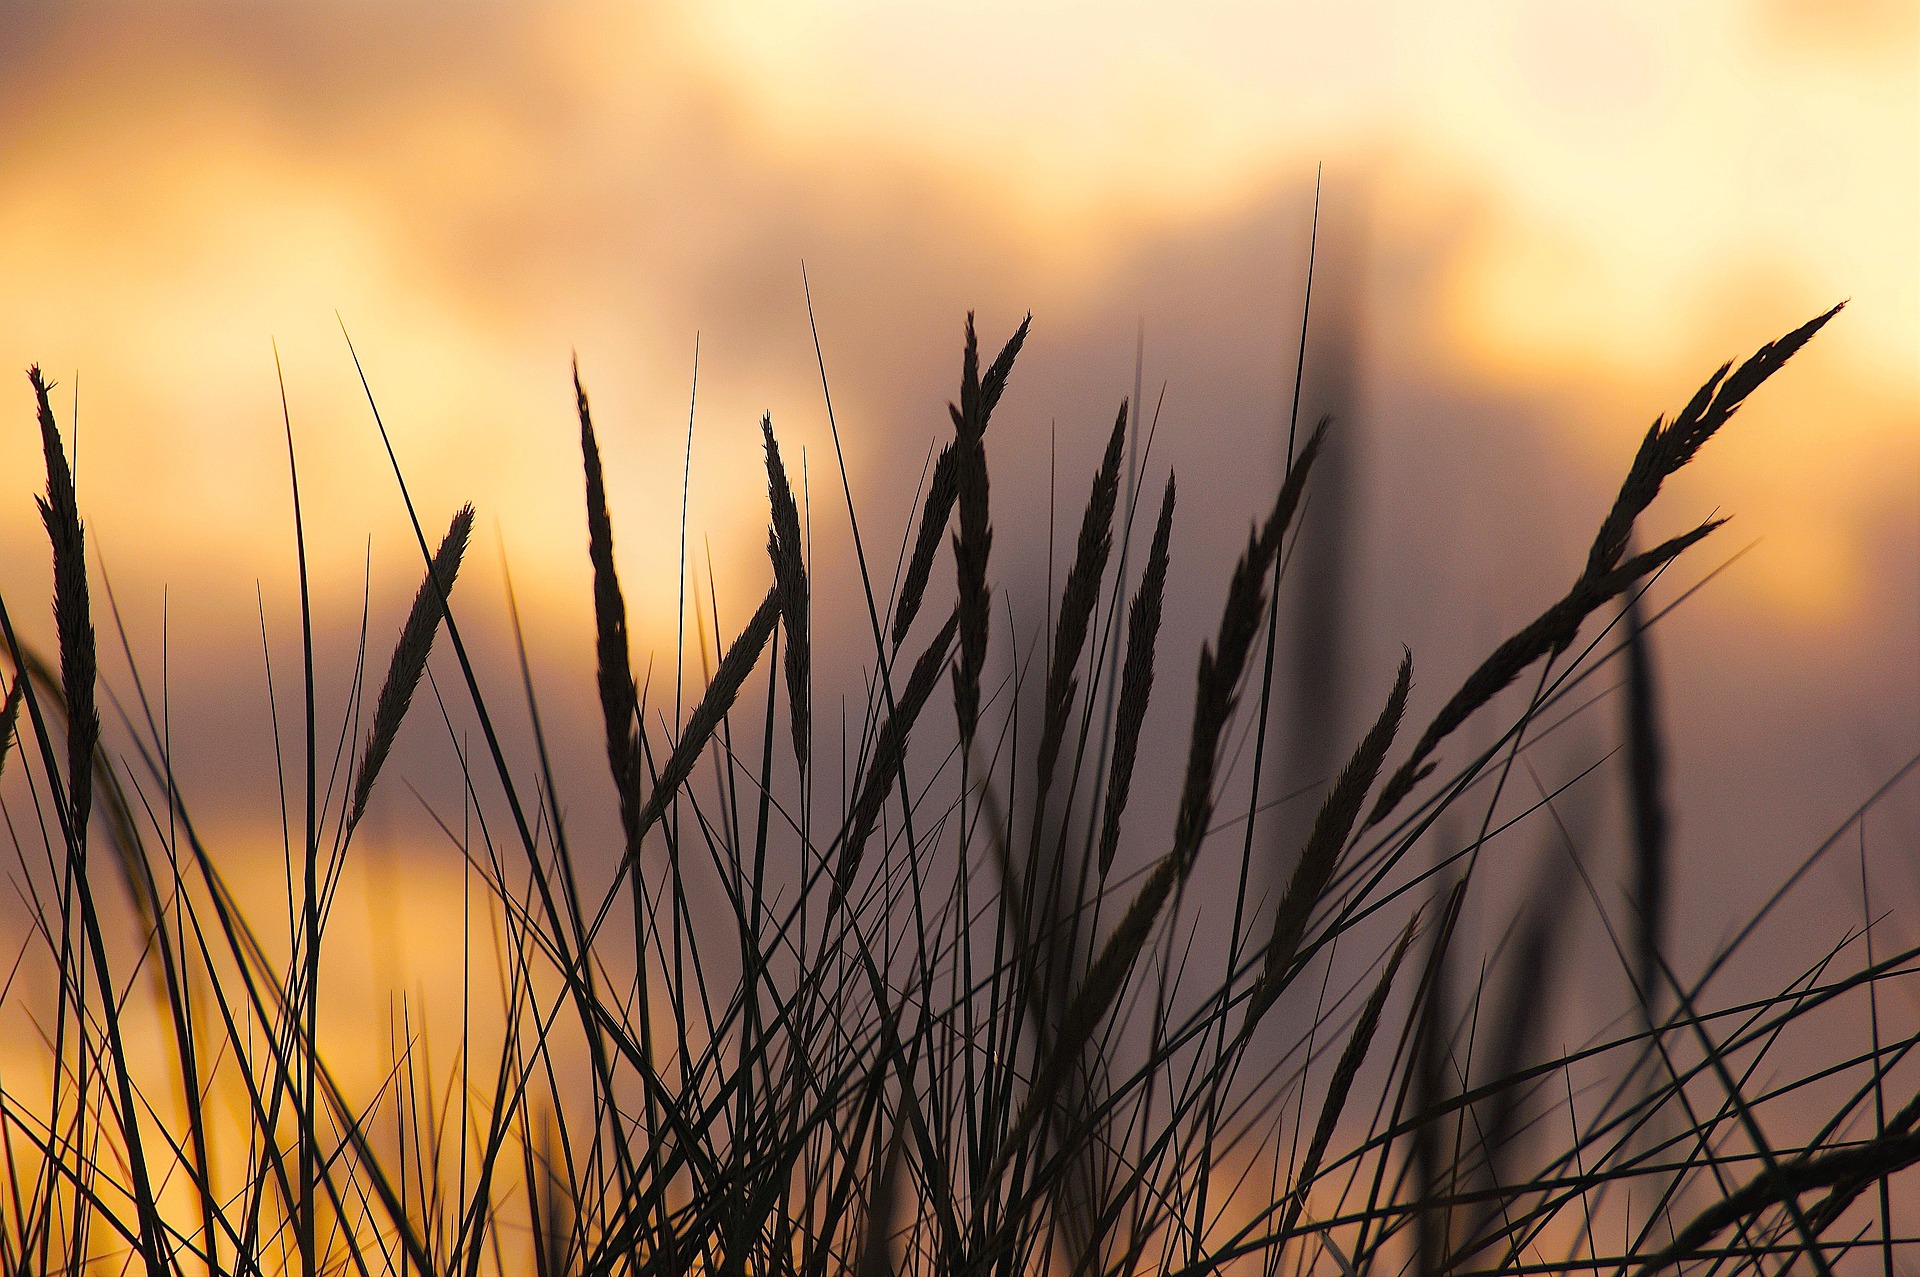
(741, 657)
(889, 750)
(934, 514)
(409, 660)
(1078, 596)
(811, 1055)
(1670, 445)
(1331, 828)
(972, 545)
(72, 614)
(1222, 663)
(1345, 1073)
(619, 700)
(1664, 450)
(1136, 679)
(786, 549)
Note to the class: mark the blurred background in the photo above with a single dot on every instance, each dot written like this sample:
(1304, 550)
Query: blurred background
(1540, 226)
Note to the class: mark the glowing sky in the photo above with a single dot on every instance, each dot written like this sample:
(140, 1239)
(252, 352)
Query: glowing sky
(1552, 221)
(1612, 197)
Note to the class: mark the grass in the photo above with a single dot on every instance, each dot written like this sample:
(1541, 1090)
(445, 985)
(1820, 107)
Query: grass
(954, 1018)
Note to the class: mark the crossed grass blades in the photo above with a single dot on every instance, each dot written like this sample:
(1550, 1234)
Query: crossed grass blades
(954, 1022)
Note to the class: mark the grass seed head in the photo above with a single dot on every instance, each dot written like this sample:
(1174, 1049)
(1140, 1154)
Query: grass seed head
(973, 544)
(938, 509)
(1667, 447)
(72, 611)
(409, 661)
(785, 548)
(889, 749)
(714, 704)
(1332, 826)
(619, 702)
(1078, 596)
(1136, 680)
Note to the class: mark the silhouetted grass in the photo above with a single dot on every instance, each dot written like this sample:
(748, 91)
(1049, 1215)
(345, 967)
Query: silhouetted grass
(939, 1030)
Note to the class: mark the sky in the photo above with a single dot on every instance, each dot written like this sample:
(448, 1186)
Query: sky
(1599, 204)
(1540, 227)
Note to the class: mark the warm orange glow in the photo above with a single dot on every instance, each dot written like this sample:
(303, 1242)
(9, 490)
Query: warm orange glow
(1642, 189)
(1547, 223)
(1569, 216)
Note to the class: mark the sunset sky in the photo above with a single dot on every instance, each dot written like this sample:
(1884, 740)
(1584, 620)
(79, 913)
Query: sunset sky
(1542, 226)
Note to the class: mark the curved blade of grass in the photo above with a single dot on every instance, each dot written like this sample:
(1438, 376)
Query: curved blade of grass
(1647, 803)
(1340, 1085)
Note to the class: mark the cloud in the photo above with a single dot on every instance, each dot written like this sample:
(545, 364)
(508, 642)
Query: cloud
(480, 192)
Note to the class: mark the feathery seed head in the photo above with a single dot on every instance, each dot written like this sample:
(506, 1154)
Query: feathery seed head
(1136, 679)
(409, 661)
(790, 582)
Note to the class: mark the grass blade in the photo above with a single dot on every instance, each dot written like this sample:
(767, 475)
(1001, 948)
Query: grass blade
(1340, 1085)
(1646, 797)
